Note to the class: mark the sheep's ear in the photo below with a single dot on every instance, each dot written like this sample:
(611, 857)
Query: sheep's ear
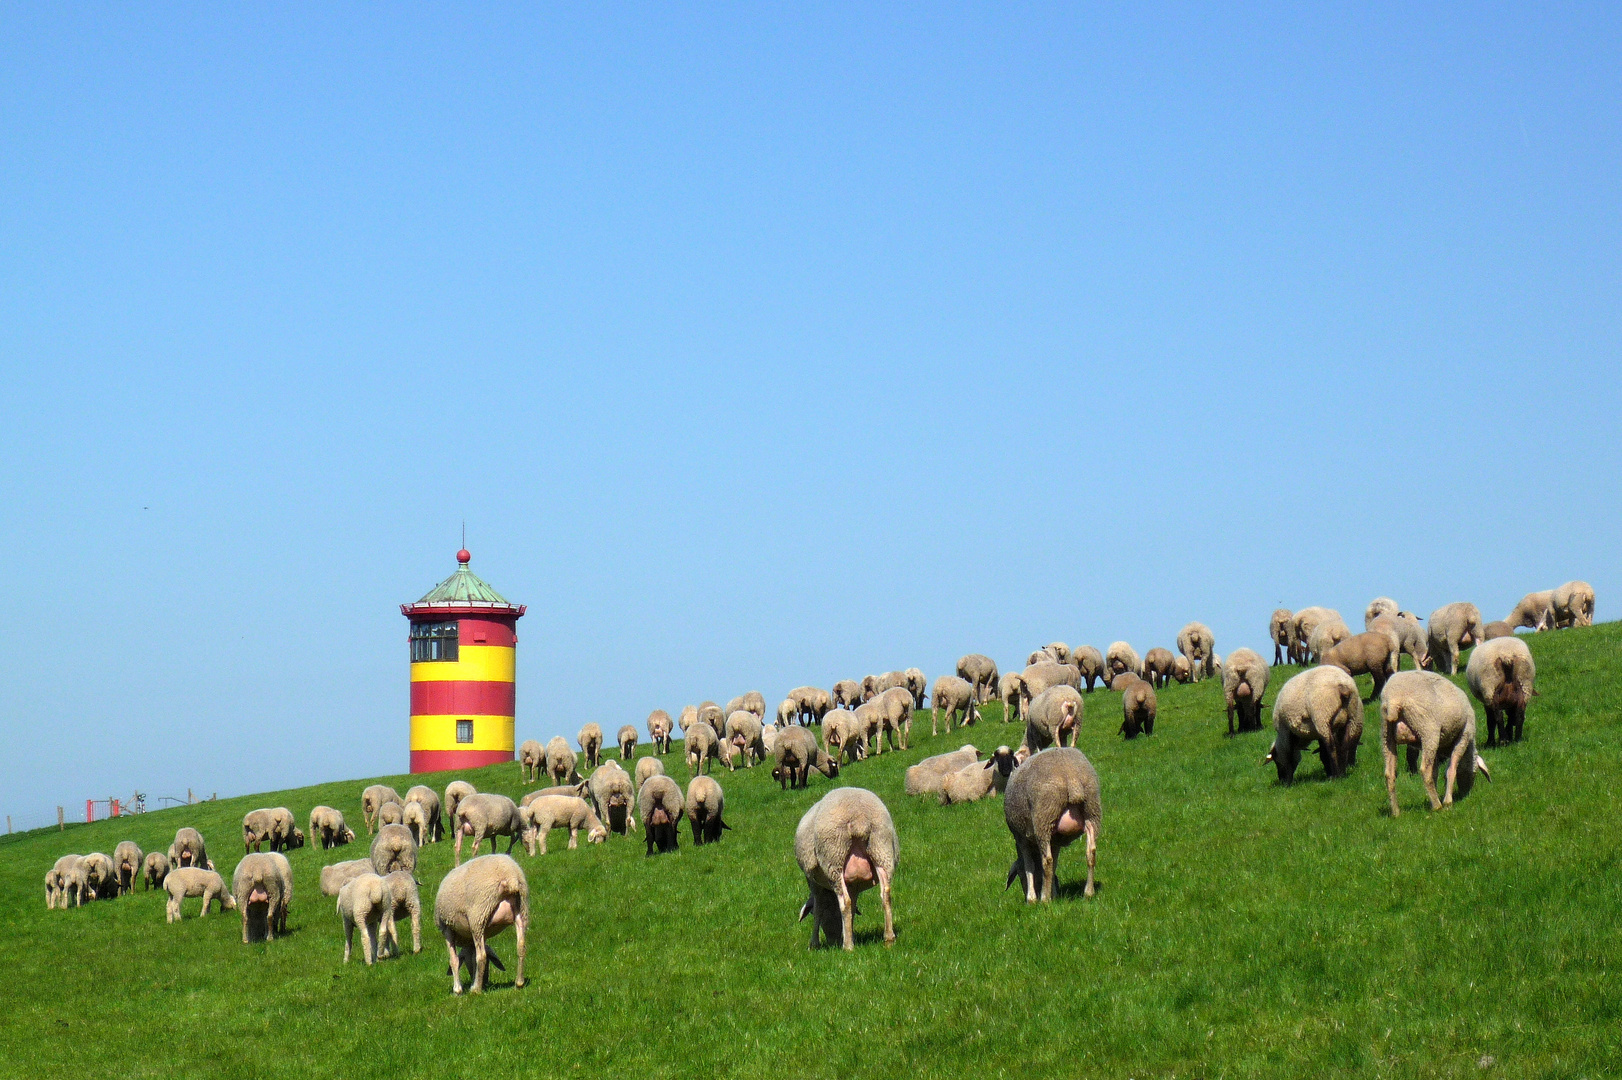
(990, 762)
(805, 909)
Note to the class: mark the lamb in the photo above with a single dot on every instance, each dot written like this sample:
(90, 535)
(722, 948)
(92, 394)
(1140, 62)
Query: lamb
(476, 902)
(917, 686)
(455, 792)
(590, 739)
(659, 729)
(1008, 689)
(403, 902)
(1452, 629)
(127, 858)
(974, 782)
(613, 795)
(261, 882)
(646, 767)
(1574, 604)
(373, 799)
(188, 881)
(1037, 678)
(1181, 670)
(1374, 654)
(1320, 704)
(1120, 657)
(391, 814)
(846, 843)
(573, 791)
(1089, 664)
(484, 815)
(1158, 664)
(705, 803)
(847, 694)
(559, 812)
(1196, 642)
(1138, 706)
(188, 849)
(157, 869)
(337, 875)
(687, 718)
(363, 901)
(532, 759)
(1536, 610)
(1502, 675)
(843, 734)
(627, 741)
(416, 819)
(1244, 681)
(788, 712)
(62, 880)
(894, 708)
(1410, 634)
(560, 761)
(1380, 605)
(1325, 636)
(980, 672)
(1424, 707)
(1051, 799)
(797, 753)
(661, 805)
(954, 695)
(327, 825)
(702, 746)
(433, 821)
(394, 849)
(1053, 718)
(744, 734)
(929, 775)
(1306, 621)
(1281, 628)
(1497, 629)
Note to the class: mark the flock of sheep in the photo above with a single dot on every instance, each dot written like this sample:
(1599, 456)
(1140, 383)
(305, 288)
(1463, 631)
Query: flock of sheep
(846, 843)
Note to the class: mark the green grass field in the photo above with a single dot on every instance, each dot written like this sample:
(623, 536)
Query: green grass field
(1240, 929)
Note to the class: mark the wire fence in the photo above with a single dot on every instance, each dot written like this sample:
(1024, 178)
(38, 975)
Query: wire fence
(60, 817)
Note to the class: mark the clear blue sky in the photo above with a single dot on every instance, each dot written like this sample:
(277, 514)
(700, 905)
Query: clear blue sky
(764, 347)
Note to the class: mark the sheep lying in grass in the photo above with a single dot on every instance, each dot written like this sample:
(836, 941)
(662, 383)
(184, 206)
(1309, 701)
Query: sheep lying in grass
(1380, 605)
(702, 747)
(926, 777)
(1502, 676)
(845, 844)
(558, 812)
(613, 795)
(1434, 717)
(339, 874)
(1120, 657)
(1536, 610)
(455, 792)
(1452, 629)
(157, 869)
(1318, 705)
(646, 767)
(432, 823)
(705, 803)
(1574, 604)
(1054, 718)
(659, 729)
(531, 759)
(475, 902)
(1244, 681)
(975, 782)
(955, 696)
(362, 902)
(1196, 642)
(796, 754)
(1138, 708)
(373, 799)
(1051, 799)
(979, 672)
(189, 850)
(1281, 629)
(327, 826)
(263, 884)
(1374, 654)
(484, 815)
(1089, 665)
(394, 848)
(404, 902)
(627, 742)
(188, 881)
(661, 805)
(127, 858)
(744, 738)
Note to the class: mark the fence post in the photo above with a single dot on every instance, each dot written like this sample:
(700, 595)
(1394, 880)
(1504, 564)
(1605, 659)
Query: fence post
(114, 803)
(8, 823)
(59, 825)
(89, 810)
(188, 796)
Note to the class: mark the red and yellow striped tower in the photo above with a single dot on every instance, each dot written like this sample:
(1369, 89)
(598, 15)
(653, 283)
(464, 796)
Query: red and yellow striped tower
(464, 636)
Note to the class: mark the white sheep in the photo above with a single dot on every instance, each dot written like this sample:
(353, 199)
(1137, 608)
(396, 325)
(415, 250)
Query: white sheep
(363, 901)
(661, 804)
(558, 812)
(1433, 716)
(1196, 642)
(980, 672)
(845, 844)
(705, 804)
(1244, 681)
(1051, 799)
(476, 901)
(187, 881)
(1452, 629)
(1503, 678)
(1319, 705)
(627, 741)
(926, 777)
(1120, 657)
(560, 761)
(531, 759)
(974, 782)
(1574, 604)
(1281, 629)
(1380, 605)
(659, 730)
(1054, 718)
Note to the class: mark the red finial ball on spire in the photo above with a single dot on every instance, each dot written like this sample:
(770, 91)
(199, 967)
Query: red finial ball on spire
(464, 556)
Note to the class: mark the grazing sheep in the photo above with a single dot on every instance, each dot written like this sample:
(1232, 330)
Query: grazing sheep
(327, 825)
(1307, 620)
(926, 777)
(1038, 678)
(1051, 799)
(1325, 636)
(475, 902)
(403, 902)
(559, 812)
(1502, 675)
(157, 869)
(917, 686)
(373, 799)
(63, 880)
(484, 815)
(127, 858)
(813, 703)
(1158, 665)
(1409, 633)
(954, 695)
(744, 734)
(710, 713)
(979, 672)
(1319, 705)
(627, 741)
(1120, 657)
(1008, 689)
(702, 747)
(1181, 670)
(1452, 629)
(573, 791)
(531, 758)
(870, 688)
(363, 901)
(1574, 604)
(1427, 709)
(894, 710)
(1497, 629)
(1536, 610)
(796, 754)
(188, 881)
(394, 848)
(1041, 656)
(416, 819)
(1281, 628)
(260, 884)
(705, 802)
(659, 729)
(560, 761)
(1374, 654)
(661, 805)
(845, 844)
(613, 795)
(1138, 706)
(391, 814)
(687, 718)
(755, 702)
(646, 767)
(843, 734)
(974, 782)
(847, 694)
(1053, 718)
(433, 819)
(1123, 680)
(1196, 642)
(591, 744)
(1380, 605)
(100, 880)
(788, 712)
(455, 792)
(1244, 681)
(335, 876)
(1089, 665)
(188, 849)
(768, 738)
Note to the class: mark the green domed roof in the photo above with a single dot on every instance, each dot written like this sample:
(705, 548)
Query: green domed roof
(463, 589)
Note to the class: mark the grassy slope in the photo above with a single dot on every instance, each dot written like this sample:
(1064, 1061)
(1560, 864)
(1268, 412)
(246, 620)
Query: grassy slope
(1241, 929)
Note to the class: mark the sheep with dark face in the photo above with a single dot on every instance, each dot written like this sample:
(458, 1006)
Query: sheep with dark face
(484, 815)
(1051, 799)
(661, 804)
(1281, 629)
(373, 799)
(1374, 654)
(1452, 629)
(1158, 665)
(1138, 708)
(1319, 705)
(796, 754)
(613, 795)
(1574, 604)
(1054, 718)
(1502, 676)
(705, 803)
(1196, 642)
(627, 741)
(659, 730)
(476, 901)
(1244, 681)
(531, 759)
(979, 672)
(845, 844)
(1089, 665)
(1433, 716)
(974, 782)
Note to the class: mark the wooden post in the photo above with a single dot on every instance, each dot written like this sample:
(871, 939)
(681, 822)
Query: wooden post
(8, 823)
(188, 796)
(59, 825)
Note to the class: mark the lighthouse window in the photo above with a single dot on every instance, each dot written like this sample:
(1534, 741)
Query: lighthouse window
(464, 731)
(433, 641)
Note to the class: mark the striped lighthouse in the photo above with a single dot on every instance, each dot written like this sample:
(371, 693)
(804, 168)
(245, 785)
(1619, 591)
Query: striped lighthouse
(464, 637)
